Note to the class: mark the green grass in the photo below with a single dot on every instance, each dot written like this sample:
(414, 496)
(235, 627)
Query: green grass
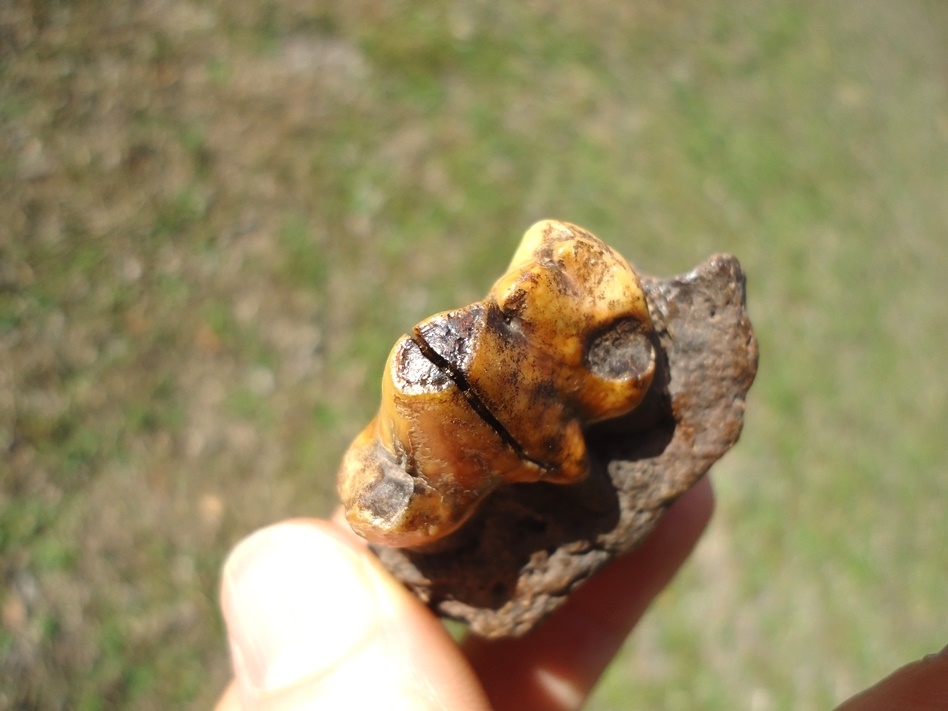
(234, 209)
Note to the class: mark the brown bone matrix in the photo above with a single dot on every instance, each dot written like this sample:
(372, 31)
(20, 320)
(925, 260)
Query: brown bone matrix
(501, 391)
(501, 472)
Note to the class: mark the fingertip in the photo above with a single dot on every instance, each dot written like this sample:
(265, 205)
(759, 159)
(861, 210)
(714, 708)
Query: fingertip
(313, 619)
(286, 586)
(230, 699)
(919, 686)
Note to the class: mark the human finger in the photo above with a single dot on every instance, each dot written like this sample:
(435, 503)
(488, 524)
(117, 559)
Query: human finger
(919, 686)
(313, 620)
(555, 667)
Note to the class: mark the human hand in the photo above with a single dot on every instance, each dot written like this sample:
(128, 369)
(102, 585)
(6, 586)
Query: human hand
(315, 621)
(363, 641)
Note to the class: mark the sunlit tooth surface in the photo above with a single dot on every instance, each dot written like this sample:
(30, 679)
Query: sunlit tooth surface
(499, 391)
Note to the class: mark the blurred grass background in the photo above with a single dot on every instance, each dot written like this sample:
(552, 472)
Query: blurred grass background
(216, 217)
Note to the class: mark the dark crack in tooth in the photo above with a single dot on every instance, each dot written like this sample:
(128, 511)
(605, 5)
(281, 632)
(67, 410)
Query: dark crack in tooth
(449, 340)
(453, 336)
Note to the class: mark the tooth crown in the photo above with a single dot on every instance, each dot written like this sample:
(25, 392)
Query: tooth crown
(499, 391)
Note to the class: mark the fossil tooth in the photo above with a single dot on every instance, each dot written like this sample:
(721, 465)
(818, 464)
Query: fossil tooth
(500, 391)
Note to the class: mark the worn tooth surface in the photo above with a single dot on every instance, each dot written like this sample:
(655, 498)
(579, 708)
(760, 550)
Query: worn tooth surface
(500, 391)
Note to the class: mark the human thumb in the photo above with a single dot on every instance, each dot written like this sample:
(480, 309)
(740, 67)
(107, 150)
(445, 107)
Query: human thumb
(314, 621)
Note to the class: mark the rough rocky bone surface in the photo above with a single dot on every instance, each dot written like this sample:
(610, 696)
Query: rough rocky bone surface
(531, 545)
